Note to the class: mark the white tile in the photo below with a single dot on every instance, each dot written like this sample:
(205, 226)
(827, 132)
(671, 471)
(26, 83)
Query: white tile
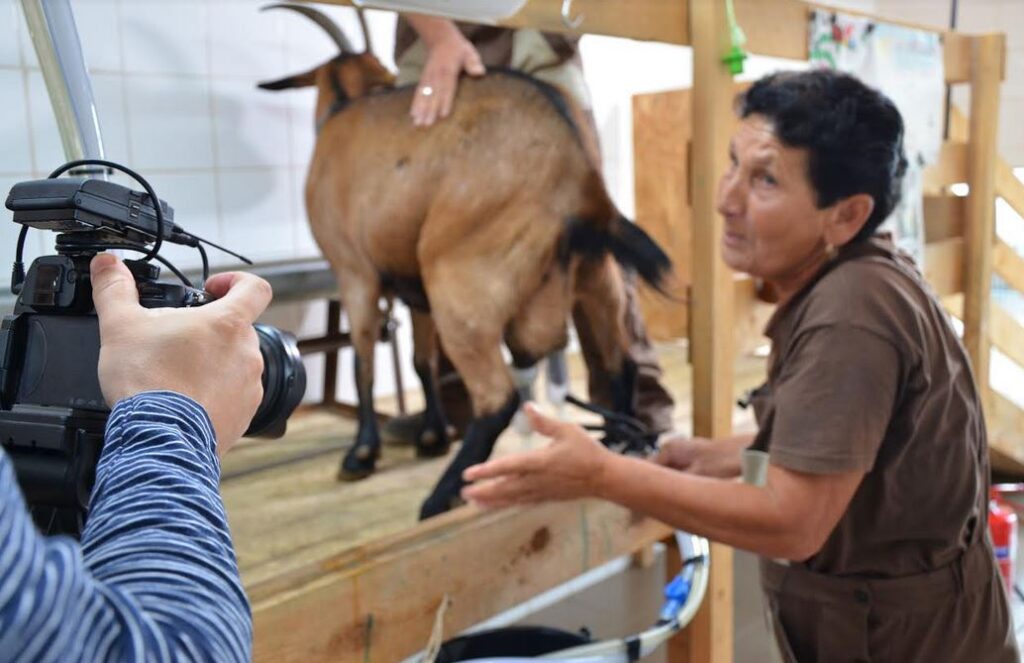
(37, 242)
(108, 89)
(165, 37)
(193, 198)
(46, 141)
(15, 150)
(27, 50)
(170, 123)
(302, 114)
(305, 244)
(259, 52)
(10, 24)
(251, 125)
(256, 215)
(99, 30)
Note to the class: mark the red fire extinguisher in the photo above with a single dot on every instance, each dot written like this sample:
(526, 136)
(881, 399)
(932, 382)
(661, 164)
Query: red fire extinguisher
(1002, 525)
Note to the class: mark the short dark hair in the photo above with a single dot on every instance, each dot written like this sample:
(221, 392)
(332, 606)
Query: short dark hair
(854, 135)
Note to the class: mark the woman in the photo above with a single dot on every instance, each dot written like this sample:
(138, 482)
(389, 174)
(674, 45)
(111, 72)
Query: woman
(872, 522)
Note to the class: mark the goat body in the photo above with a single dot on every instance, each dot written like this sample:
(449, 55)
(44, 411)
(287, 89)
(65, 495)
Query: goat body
(496, 219)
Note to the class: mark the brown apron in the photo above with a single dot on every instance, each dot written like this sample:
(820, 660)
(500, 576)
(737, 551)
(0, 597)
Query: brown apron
(955, 613)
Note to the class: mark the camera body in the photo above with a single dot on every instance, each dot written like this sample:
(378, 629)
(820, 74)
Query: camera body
(52, 411)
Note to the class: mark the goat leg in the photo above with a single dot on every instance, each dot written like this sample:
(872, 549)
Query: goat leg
(434, 438)
(477, 446)
(361, 459)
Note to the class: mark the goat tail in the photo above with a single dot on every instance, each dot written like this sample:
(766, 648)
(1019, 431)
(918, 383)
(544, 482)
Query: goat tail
(631, 247)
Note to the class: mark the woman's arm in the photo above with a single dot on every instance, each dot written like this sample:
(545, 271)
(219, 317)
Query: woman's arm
(790, 517)
(449, 53)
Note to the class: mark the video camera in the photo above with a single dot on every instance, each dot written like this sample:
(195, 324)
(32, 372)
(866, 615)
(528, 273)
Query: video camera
(52, 412)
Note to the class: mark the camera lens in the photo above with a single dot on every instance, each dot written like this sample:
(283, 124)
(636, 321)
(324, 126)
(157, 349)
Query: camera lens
(284, 382)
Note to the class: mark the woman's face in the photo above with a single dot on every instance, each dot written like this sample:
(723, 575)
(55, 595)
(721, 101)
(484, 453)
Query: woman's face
(773, 228)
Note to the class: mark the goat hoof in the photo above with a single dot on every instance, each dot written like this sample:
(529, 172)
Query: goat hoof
(436, 505)
(432, 448)
(359, 463)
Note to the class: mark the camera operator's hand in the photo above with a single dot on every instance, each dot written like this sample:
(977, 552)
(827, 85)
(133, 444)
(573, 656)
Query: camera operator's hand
(210, 354)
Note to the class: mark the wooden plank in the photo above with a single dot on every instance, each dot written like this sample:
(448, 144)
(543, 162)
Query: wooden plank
(987, 55)
(1005, 430)
(1008, 264)
(1009, 187)
(657, 20)
(1007, 334)
(944, 266)
(709, 638)
(950, 168)
(661, 136)
(943, 217)
(377, 603)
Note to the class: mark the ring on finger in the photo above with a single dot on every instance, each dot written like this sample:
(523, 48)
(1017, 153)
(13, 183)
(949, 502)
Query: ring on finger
(426, 91)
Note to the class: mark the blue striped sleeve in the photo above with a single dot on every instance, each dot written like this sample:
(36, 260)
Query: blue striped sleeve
(155, 577)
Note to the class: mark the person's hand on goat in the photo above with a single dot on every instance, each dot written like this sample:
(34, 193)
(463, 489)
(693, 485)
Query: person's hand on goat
(210, 354)
(699, 455)
(570, 467)
(449, 54)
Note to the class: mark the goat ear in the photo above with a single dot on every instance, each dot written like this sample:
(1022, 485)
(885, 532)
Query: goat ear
(298, 80)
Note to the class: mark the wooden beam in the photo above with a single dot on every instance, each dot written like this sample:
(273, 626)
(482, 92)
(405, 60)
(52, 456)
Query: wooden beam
(1007, 334)
(377, 602)
(1009, 187)
(943, 217)
(709, 638)
(1005, 429)
(657, 20)
(1008, 264)
(987, 55)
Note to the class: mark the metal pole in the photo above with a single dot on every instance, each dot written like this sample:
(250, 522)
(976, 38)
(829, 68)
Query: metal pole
(51, 24)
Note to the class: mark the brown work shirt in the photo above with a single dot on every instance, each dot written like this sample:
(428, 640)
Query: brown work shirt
(867, 375)
(493, 43)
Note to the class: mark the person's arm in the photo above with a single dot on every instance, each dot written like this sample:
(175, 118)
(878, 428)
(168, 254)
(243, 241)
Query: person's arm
(790, 517)
(155, 577)
(449, 54)
(702, 456)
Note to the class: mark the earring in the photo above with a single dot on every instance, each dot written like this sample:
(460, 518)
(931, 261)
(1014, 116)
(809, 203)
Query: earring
(831, 251)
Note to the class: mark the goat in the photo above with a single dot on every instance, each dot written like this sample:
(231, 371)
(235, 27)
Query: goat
(491, 225)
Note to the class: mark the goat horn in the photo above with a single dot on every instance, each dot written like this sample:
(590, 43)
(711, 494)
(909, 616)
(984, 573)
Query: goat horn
(366, 31)
(320, 19)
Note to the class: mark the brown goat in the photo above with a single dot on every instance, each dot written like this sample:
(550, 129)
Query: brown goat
(491, 225)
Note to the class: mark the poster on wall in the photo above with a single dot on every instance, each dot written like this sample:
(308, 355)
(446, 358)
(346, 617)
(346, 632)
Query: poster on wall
(907, 66)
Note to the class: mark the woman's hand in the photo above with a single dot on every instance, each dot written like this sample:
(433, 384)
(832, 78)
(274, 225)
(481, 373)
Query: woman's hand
(699, 455)
(449, 54)
(570, 467)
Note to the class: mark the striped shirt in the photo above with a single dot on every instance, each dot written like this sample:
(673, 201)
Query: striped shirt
(155, 576)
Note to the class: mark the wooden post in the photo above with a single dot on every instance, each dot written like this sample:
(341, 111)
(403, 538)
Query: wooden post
(710, 634)
(987, 56)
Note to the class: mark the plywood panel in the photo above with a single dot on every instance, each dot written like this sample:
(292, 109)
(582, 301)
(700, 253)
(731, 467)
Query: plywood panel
(661, 135)
(949, 168)
(943, 217)
(944, 266)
